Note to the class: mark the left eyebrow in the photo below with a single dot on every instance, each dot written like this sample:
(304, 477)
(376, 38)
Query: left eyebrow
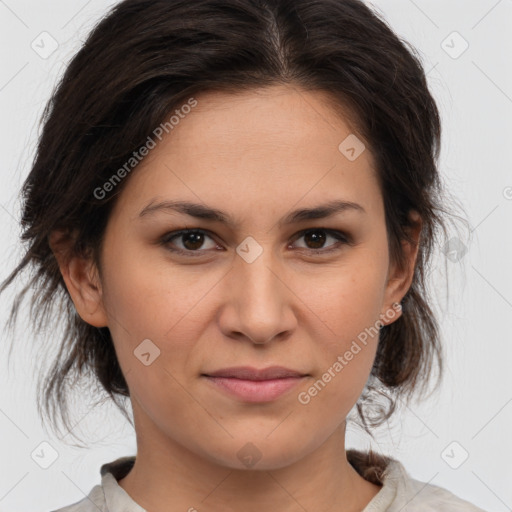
(201, 211)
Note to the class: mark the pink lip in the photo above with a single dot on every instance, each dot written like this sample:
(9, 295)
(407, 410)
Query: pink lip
(255, 390)
(253, 385)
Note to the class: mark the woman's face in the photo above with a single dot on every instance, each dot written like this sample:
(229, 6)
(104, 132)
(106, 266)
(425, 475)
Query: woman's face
(254, 291)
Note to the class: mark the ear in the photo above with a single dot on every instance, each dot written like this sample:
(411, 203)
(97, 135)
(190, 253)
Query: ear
(399, 280)
(82, 280)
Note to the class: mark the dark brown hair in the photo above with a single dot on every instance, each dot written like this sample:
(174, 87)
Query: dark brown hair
(148, 57)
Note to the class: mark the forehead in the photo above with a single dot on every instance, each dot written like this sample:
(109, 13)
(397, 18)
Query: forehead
(283, 117)
(266, 145)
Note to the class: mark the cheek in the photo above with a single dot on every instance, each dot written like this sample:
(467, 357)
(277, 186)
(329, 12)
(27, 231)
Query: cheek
(148, 297)
(146, 303)
(347, 304)
(346, 300)
(148, 300)
(346, 348)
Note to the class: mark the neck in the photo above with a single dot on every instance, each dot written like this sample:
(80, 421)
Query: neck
(169, 477)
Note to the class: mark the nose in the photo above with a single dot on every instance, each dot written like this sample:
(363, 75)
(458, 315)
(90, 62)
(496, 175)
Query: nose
(259, 304)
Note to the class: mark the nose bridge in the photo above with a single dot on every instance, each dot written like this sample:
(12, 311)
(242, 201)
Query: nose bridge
(257, 269)
(258, 293)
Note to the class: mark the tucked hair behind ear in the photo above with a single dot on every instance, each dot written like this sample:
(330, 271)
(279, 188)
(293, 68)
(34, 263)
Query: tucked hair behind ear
(148, 57)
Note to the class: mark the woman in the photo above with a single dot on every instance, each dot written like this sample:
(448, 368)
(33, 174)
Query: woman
(235, 201)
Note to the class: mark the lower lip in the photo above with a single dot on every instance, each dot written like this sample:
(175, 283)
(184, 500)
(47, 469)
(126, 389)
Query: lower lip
(255, 390)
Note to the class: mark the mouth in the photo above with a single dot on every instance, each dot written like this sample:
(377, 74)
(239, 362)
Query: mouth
(249, 384)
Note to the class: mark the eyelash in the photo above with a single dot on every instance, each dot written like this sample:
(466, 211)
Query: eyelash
(342, 238)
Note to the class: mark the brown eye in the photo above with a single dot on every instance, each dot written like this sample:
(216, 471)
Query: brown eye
(315, 239)
(188, 241)
(193, 240)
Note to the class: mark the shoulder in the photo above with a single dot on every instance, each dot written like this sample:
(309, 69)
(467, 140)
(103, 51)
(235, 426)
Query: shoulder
(412, 494)
(93, 502)
(401, 492)
(108, 496)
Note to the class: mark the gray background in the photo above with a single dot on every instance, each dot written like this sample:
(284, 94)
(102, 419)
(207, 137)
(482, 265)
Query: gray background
(472, 414)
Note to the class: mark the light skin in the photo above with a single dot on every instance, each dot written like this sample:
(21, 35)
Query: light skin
(257, 156)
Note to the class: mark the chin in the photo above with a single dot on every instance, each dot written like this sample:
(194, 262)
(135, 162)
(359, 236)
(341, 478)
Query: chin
(260, 453)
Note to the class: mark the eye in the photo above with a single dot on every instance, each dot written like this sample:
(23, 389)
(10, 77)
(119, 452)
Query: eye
(189, 242)
(190, 239)
(316, 238)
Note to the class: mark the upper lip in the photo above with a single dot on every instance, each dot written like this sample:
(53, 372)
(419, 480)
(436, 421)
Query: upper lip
(250, 373)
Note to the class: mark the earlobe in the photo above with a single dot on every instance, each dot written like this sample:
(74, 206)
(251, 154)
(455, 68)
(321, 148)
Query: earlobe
(82, 280)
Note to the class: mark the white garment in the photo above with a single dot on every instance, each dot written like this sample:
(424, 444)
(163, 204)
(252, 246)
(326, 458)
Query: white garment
(399, 492)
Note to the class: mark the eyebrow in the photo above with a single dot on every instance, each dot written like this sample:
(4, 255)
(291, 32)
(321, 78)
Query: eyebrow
(201, 211)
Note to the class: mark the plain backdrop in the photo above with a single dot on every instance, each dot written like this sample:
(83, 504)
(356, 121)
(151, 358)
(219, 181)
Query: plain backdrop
(460, 437)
